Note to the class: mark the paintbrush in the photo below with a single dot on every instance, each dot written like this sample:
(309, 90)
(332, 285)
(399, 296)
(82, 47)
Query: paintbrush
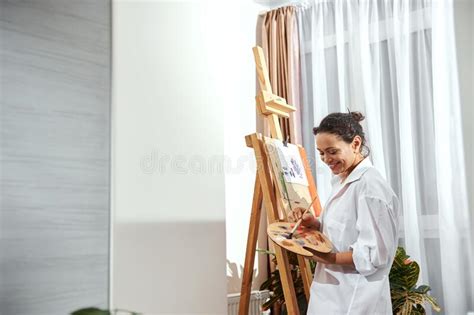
(298, 223)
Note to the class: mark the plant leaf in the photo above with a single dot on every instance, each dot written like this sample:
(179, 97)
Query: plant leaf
(422, 289)
(434, 303)
(91, 311)
(403, 274)
(264, 251)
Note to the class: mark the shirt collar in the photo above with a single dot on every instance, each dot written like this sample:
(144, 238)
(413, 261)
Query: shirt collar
(356, 173)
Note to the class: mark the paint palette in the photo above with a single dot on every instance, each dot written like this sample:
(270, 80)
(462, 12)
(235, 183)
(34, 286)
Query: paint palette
(303, 239)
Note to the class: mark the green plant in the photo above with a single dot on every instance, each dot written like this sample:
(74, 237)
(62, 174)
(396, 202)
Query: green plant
(407, 298)
(273, 283)
(97, 311)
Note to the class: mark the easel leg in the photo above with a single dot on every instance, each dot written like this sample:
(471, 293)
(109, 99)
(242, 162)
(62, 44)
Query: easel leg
(306, 275)
(251, 248)
(287, 281)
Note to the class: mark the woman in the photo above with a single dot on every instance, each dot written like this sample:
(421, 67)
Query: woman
(361, 220)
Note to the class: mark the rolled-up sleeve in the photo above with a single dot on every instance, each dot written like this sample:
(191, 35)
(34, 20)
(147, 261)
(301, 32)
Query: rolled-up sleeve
(377, 225)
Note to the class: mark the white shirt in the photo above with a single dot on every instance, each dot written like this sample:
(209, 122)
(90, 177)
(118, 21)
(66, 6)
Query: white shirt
(361, 215)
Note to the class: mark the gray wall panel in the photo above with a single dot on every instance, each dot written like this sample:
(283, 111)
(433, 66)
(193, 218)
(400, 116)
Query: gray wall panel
(54, 155)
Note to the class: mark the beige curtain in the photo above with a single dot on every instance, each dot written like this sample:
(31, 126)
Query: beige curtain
(278, 35)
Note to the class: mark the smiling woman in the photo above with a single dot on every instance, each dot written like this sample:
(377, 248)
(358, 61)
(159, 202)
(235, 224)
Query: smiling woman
(360, 219)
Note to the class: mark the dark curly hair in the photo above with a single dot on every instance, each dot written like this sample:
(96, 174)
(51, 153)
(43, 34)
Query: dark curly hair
(346, 126)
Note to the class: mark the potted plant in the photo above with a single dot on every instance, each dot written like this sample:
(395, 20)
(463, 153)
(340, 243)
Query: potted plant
(273, 284)
(407, 298)
(97, 311)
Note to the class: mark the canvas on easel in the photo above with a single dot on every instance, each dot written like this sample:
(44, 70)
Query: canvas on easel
(288, 168)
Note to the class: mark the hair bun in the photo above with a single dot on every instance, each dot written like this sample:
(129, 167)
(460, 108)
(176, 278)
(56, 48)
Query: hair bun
(357, 116)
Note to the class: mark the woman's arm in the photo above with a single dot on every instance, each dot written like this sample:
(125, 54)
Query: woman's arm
(344, 258)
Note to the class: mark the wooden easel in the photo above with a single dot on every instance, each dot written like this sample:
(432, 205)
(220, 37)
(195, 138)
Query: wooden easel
(272, 107)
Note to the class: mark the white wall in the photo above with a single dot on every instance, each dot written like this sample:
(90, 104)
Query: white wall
(183, 97)
(240, 161)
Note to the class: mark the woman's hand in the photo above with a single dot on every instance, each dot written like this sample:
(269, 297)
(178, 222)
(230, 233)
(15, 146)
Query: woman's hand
(308, 219)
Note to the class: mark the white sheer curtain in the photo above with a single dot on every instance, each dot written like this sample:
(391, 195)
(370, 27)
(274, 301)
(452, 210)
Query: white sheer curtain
(395, 61)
